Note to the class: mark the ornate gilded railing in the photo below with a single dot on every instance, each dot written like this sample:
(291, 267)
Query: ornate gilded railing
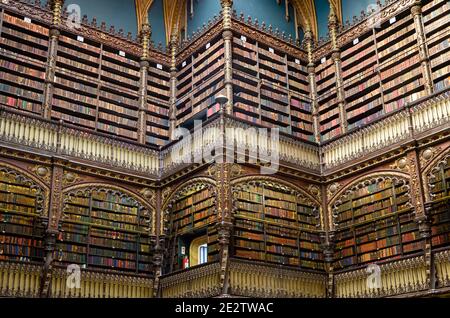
(101, 285)
(19, 279)
(199, 281)
(396, 278)
(258, 280)
(442, 266)
(401, 126)
(33, 132)
(244, 138)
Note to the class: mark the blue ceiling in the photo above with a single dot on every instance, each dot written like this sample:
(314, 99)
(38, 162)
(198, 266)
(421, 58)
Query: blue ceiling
(122, 14)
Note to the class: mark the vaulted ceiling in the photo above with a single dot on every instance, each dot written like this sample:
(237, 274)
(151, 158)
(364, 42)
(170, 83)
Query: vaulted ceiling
(167, 17)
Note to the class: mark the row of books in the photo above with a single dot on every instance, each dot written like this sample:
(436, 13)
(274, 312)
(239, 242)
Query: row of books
(109, 262)
(21, 250)
(22, 69)
(75, 120)
(26, 50)
(20, 92)
(20, 104)
(22, 81)
(20, 241)
(192, 198)
(66, 106)
(31, 39)
(35, 28)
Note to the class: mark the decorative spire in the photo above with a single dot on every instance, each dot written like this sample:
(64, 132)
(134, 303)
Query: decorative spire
(56, 7)
(145, 34)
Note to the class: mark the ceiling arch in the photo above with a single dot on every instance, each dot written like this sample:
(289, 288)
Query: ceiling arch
(174, 14)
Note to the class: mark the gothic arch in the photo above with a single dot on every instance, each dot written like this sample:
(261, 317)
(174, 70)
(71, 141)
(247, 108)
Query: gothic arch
(236, 184)
(122, 192)
(363, 181)
(433, 167)
(42, 195)
(276, 180)
(191, 184)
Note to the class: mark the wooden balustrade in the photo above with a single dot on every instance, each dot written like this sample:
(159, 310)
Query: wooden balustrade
(199, 281)
(31, 132)
(442, 266)
(259, 280)
(95, 284)
(19, 279)
(396, 278)
(401, 126)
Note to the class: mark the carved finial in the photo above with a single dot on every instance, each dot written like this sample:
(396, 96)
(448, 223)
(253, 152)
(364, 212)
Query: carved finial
(263, 26)
(94, 22)
(85, 19)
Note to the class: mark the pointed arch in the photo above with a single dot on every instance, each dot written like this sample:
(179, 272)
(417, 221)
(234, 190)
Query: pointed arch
(306, 10)
(173, 17)
(43, 191)
(364, 180)
(431, 169)
(105, 187)
(142, 7)
(182, 186)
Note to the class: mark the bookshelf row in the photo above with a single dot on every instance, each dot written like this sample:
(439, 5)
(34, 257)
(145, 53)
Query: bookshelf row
(440, 192)
(375, 223)
(96, 86)
(104, 230)
(273, 225)
(21, 234)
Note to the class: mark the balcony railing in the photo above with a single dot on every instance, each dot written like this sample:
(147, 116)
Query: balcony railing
(396, 277)
(199, 281)
(402, 126)
(249, 279)
(96, 284)
(19, 279)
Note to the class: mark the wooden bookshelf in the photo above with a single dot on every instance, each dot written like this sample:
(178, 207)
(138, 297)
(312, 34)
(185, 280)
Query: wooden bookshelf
(23, 51)
(271, 88)
(375, 223)
(436, 23)
(440, 193)
(400, 68)
(273, 224)
(21, 234)
(193, 214)
(104, 230)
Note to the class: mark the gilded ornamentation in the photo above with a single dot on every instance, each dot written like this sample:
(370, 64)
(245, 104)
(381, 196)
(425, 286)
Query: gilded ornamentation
(42, 172)
(315, 191)
(428, 154)
(332, 189)
(70, 178)
(401, 164)
(149, 195)
(42, 197)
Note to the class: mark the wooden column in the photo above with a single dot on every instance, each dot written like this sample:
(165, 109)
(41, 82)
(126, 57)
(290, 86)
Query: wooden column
(422, 215)
(224, 209)
(416, 11)
(333, 26)
(327, 243)
(54, 215)
(56, 6)
(143, 84)
(309, 41)
(228, 47)
(173, 85)
(158, 248)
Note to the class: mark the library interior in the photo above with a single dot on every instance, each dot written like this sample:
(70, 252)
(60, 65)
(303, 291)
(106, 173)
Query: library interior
(96, 203)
